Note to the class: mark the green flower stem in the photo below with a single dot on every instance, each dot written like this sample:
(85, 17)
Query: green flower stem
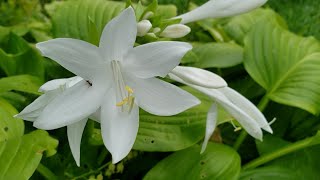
(261, 106)
(278, 153)
(45, 172)
(93, 171)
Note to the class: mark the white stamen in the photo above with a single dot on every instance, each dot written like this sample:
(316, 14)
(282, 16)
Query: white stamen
(124, 94)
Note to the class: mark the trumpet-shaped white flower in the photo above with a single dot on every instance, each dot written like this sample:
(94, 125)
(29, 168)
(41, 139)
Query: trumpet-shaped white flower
(117, 78)
(220, 8)
(245, 112)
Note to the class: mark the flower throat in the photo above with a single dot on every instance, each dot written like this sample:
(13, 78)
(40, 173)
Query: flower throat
(124, 94)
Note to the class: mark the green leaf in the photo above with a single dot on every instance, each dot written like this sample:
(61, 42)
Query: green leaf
(239, 26)
(72, 19)
(19, 58)
(302, 15)
(269, 172)
(218, 55)
(75, 18)
(304, 162)
(217, 162)
(19, 157)
(23, 83)
(10, 127)
(286, 65)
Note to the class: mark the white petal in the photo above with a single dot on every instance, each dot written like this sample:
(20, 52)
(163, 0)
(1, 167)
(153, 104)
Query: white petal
(75, 132)
(247, 106)
(119, 129)
(199, 77)
(155, 59)
(212, 117)
(220, 8)
(161, 98)
(79, 57)
(249, 124)
(53, 84)
(96, 116)
(33, 110)
(119, 35)
(76, 103)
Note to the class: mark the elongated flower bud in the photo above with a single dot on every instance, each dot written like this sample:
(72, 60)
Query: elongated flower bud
(144, 27)
(175, 31)
(220, 8)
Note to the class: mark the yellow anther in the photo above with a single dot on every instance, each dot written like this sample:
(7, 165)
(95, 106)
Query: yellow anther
(122, 102)
(129, 89)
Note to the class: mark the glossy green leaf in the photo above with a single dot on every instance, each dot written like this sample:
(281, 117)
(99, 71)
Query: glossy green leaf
(17, 57)
(75, 18)
(217, 162)
(286, 65)
(19, 157)
(304, 162)
(269, 172)
(239, 26)
(72, 19)
(218, 55)
(23, 83)
(10, 127)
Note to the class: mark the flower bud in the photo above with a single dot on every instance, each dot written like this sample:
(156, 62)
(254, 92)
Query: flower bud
(220, 8)
(144, 27)
(175, 31)
(148, 15)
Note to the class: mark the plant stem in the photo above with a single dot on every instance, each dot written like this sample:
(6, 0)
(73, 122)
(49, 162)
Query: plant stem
(45, 172)
(278, 153)
(261, 106)
(93, 172)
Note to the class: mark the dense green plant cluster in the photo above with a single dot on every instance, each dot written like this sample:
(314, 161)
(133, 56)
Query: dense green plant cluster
(265, 56)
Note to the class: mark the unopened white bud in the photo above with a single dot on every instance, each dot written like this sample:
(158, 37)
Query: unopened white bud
(148, 15)
(144, 27)
(152, 35)
(175, 31)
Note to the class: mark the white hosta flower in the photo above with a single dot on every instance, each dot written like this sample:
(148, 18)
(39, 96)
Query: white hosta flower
(175, 31)
(220, 8)
(245, 112)
(144, 27)
(117, 78)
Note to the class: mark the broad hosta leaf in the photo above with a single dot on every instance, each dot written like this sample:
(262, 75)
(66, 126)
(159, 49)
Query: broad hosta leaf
(269, 172)
(72, 19)
(240, 25)
(17, 57)
(304, 163)
(286, 65)
(23, 83)
(218, 55)
(76, 19)
(10, 127)
(19, 157)
(217, 162)
(302, 15)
